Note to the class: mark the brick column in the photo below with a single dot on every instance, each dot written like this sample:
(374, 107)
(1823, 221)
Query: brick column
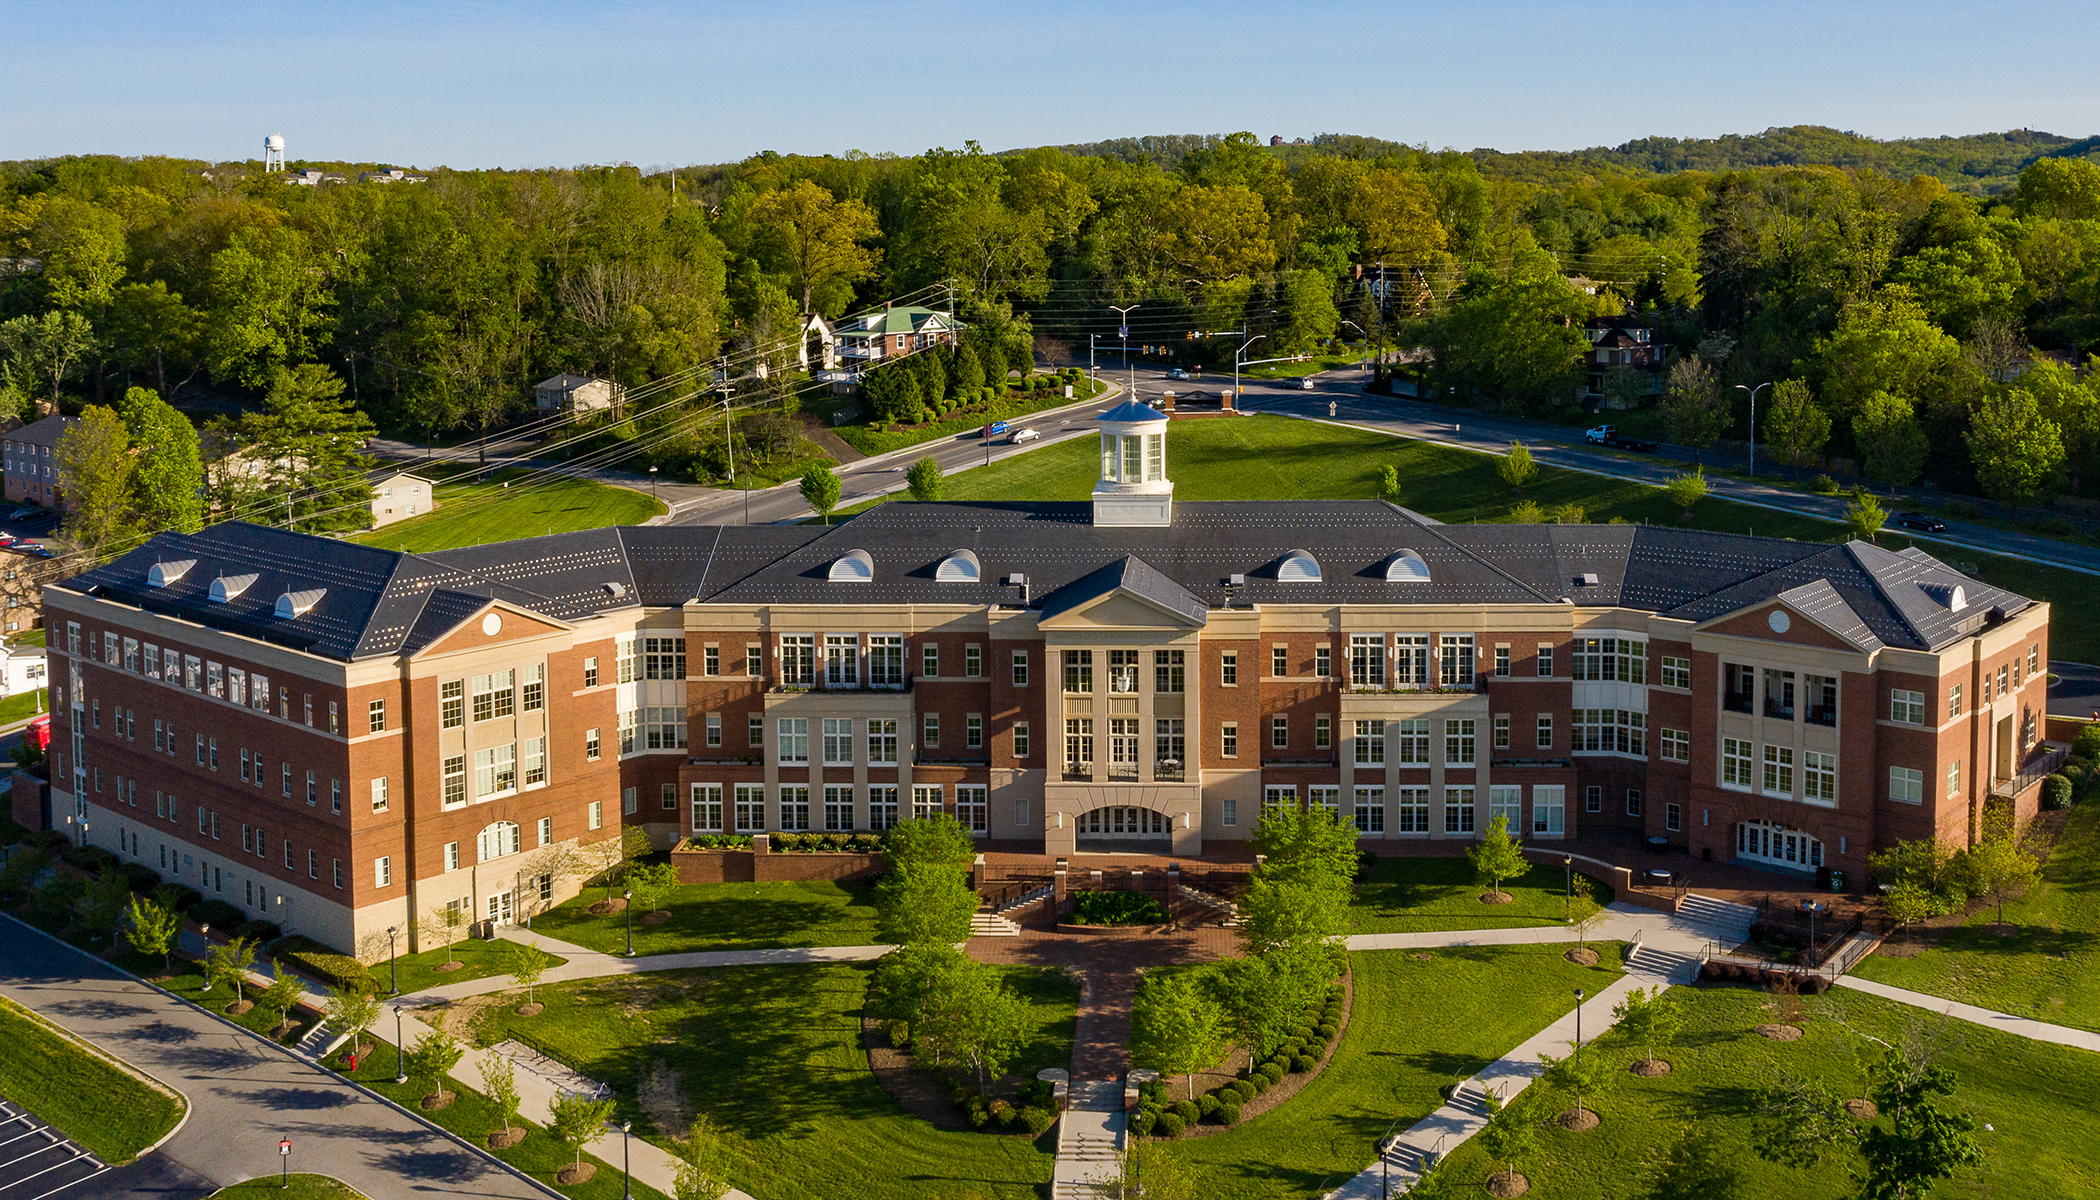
(761, 844)
(1058, 885)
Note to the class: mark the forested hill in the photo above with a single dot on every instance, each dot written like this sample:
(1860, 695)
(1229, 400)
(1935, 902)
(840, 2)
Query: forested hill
(1977, 164)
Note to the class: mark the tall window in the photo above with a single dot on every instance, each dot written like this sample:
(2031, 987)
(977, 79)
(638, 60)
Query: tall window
(1020, 735)
(1323, 661)
(841, 660)
(1370, 743)
(1079, 672)
(1506, 801)
(1413, 741)
(1167, 667)
(885, 660)
(1545, 663)
(1229, 669)
(375, 717)
(1369, 807)
(1122, 671)
(452, 703)
(1779, 771)
(1676, 672)
(798, 660)
(1458, 809)
(1545, 732)
(1229, 740)
(1735, 763)
(838, 807)
(628, 657)
(973, 661)
(494, 695)
(1411, 660)
(1279, 661)
(838, 742)
(882, 741)
(882, 806)
(496, 770)
(454, 776)
(1279, 732)
(1779, 694)
(1458, 742)
(930, 660)
(1366, 660)
(1020, 668)
(1502, 731)
(925, 801)
(1818, 777)
(1079, 746)
(793, 740)
(794, 807)
(535, 760)
(533, 690)
(1677, 745)
(1169, 747)
(1323, 731)
(1549, 803)
(1456, 651)
(972, 808)
(1123, 748)
(707, 807)
(750, 807)
(664, 728)
(1410, 811)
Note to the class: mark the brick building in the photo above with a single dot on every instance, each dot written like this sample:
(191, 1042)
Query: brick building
(28, 461)
(339, 736)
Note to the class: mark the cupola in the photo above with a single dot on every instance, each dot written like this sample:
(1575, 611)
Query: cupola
(1134, 488)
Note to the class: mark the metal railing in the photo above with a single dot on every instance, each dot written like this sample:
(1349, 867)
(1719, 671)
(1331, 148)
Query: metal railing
(2039, 766)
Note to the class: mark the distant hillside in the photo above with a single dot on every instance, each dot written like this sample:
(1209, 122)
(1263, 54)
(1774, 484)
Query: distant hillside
(1978, 163)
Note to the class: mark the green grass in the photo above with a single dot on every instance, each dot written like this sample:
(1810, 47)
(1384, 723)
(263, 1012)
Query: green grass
(187, 981)
(774, 1054)
(1279, 458)
(1416, 1026)
(25, 706)
(1416, 895)
(2037, 1096)
(2050, 969)
(27, 637)
(726, 916)
(1352, 360)
(871, 441)
(302, 1187)
(478, 960)
(110, 1111)
(469, 514)
(472, 1117)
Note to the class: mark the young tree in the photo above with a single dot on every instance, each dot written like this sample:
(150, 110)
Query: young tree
(101, 905)
(1695, 411)
(1277, 913)
(1864, 517)
(906, 976)
(1570, 513)
(1796, 427)
(1266, 995)
(1148, 1170)
(938, 838)
(168, 484)
(924, 478)
(1581, 1074)
(153, 928)
(2001, 866)
(499, 1082)
(2018, 451)
(1889, 434)
(578, 1120)
(1907, 904)
(1799, 1121)
(1497, 856)
(1176, 1028)
(525, 963)
(351, 1011)
(1308, 845)
(1650, 1018)
(95, 471)
(969, 1017)
(1585, 916)
(228, 963)
(820, 487)
(1921, 1143)
(1527, 513)
(429, 1061)
(1686, 490)
(1517, 468)
(284, 991)
(442, 925)
(922, 902)
(704, 1163)
(651, 884)
(1511, 1132)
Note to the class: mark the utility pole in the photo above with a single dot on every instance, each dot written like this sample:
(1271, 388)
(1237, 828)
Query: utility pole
(1378, 371)
(1124, 313)
(1236, 365)
(1093, 376)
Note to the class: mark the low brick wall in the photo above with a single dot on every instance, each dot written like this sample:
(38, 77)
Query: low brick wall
(753, 866)
(29, 792)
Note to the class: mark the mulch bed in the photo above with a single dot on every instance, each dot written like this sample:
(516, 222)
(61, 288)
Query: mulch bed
(921, 1091)
(504, 1139)
(1649, 1068)
(1578, 1121)
(1581, 956)
(1507, 1186)
(531, 1010)
(1290, 1085)
(1497, 898)
(437, 1100)
(1862, 1108)
(608, 906)
(239, 1008)
(656, 918)
(572, 1174)
(449, 967)
(1780, 1033)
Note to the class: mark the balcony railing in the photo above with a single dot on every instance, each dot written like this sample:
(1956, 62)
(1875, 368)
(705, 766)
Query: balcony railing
(1736, 702)
(1079, 772)
(2041, 763)
(820, 685)
(1168, 770)
(1823, 714)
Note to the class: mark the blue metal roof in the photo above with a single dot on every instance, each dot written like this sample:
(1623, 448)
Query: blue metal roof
(1130, 411)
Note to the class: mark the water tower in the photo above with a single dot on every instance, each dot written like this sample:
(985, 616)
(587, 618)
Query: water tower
(273, 152)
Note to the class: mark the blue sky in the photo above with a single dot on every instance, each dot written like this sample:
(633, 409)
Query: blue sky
(530, 83)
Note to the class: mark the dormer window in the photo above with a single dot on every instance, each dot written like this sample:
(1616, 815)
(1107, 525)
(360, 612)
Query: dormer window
(161, 574)
(959, 567)
(1406, 567)
(1299, 566)
(854, 566)
(228, 587)
(292, 605)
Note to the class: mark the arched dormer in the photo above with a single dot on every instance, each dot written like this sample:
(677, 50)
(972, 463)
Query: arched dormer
(161, 574)
(1299, 566)
(229, 587)
(1406, 566)
(854, 566)
(960, 566)
(297, 604)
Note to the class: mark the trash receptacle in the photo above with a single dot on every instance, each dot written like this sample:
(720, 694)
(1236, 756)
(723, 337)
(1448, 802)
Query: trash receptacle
(1837, 882)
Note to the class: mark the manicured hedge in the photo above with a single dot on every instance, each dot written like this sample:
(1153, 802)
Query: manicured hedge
(309, 957)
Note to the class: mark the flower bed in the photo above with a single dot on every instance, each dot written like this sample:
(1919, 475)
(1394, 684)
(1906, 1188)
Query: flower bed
(1114, 909)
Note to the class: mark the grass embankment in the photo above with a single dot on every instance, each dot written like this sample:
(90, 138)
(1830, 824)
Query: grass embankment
(1278, 458)
(2048, 968)
(725, 916)
(1419, 1023)
(186, 979)
(105, 1108)
(1418, 895)
(25, 706)
(301, 1187)
(478, 960)
(1015, 405)
(471, 512)
(2036, 1097)
(774, 1054)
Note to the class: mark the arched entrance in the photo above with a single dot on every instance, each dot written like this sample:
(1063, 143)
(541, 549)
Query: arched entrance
(1124, 829)
(1778, 846)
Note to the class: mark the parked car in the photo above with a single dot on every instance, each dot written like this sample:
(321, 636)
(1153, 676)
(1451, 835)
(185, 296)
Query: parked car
(1923, 521)
(1609, 435)
(23, 513)
(7, 540)
(1024, 435)
(1176, 373)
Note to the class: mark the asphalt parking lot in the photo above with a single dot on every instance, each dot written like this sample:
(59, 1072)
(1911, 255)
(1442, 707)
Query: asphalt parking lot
(37, 1161)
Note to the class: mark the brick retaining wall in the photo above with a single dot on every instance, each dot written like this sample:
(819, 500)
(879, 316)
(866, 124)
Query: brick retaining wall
(760, 865)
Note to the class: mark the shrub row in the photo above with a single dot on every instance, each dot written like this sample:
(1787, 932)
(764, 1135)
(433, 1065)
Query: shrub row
(1160, 1115)
(1035, 1112)
(1810, 985)
(826, 843)
(310, 957)
(1115, 908)
(718, 841)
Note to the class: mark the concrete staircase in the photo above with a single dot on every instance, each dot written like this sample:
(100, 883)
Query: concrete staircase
(1229, 913)
(1089, 1142)
(1019, 902)
(986, 923)
(1717, 920)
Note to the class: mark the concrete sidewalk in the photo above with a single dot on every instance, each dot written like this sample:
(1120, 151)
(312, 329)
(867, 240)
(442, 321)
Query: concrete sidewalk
(2026, 1027)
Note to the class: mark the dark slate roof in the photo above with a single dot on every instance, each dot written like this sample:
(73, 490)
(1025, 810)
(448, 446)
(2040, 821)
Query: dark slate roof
(43, 433)
(382, 602)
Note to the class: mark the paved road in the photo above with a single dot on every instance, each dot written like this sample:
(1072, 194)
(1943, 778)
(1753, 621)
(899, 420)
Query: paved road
(2076, 692)
(244, 1092)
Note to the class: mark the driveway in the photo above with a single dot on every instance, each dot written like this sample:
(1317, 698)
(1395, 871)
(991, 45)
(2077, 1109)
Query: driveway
(244, 1092)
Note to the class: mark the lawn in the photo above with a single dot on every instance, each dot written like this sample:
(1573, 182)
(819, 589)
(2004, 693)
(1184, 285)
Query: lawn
(774, 1054)
(1279, 458)
(478, 960)
(25, 706)
(187, 981)
(112, 1112)
(1416, 895)
(473, 1118)
(726, 916)
(470, 513)
(869, 440)
(2049, 970)
(301, 1187)
(2036, 1096)
(1418, 1024)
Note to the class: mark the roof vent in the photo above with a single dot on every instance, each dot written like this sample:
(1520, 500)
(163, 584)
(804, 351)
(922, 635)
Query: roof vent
(854, 566)
(1299, 566)
(227, 587)
(298, 604)
(959, 567)
(1948, 596)
(616, 589)
(1586, 579)
(161, 574)
(1406, 567)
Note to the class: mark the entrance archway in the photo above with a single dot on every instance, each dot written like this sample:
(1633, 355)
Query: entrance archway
(1124, 829)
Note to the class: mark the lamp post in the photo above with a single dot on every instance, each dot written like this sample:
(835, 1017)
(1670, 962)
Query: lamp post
(1812, 907)
(626, 1163)
(655, 493)
(1578, 1020)
(1367, 340)
(1753, 421)
(1236, 366)
(1124, 312)
(629, 897)
(400, 1064)
(1568, 912)
(393, 963)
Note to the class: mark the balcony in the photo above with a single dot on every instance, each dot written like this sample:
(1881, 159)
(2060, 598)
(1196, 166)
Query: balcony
(1079, 772)
(1736, 702)
(1168, 770)
(819, 686)
(2042, 762)
(1823, 714)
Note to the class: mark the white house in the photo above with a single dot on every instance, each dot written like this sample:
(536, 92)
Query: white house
(400, 496)
(584, 393)
(21, 669)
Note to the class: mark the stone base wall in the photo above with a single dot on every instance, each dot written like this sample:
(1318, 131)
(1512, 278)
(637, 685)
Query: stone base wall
(755, 866)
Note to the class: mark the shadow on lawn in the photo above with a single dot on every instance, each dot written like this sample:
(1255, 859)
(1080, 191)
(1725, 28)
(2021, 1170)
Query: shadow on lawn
(2055, 943)
(755, 922)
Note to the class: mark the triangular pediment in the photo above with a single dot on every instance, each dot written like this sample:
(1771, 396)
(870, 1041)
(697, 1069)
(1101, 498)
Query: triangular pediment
(1120, 608)
(1802, 625)
(476, 631)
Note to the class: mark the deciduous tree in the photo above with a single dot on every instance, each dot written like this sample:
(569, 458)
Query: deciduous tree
(704, 1162)
(920, 902)
(1864, 517)
(96, 470)
(152, 928)
(1517, 468)
(578, 1120)
(1650, 1018)
(430, 1060)
(2018, 451)
(1176, 1028)
(817, 239)
(1686, 490)
(1497, 856)
(924, 479)
(168, 484)
(1695, 411)
(1889, 435)
(820, 488)
(227, 964)
(1796, 427)
(499, 1082)
(47, 347)
(2001, 866)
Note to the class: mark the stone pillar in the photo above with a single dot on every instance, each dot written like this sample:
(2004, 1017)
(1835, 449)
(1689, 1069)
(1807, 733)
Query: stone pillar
(1058, 885)
(1173, 886)
(761, 844)
(977, 875)
(1166, 402)
(1226, 399)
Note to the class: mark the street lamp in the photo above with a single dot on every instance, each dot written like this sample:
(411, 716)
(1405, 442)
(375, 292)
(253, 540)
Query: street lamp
(1366, 336)
(655, 493)
(1236, 365)
(1812, 907)
(629, 897)
(393, 963)
(1124, 312)
(1568, 861)
(626, 1163)
(1578, 1020)
(1753, 421)
(400, 1066)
